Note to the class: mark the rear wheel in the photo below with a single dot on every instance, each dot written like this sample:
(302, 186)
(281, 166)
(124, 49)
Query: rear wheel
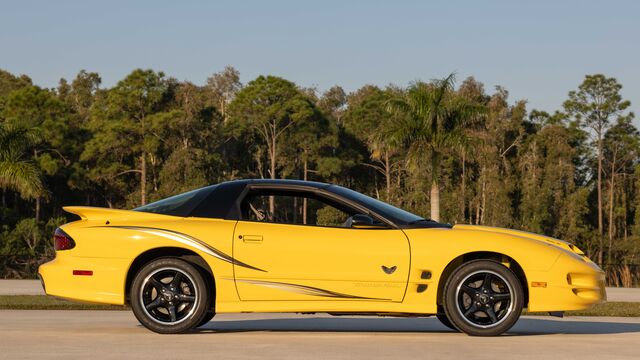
(169, 295)
(207, 318)
(483, 298)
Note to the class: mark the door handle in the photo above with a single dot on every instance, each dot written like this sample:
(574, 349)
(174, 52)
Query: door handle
(251, 238)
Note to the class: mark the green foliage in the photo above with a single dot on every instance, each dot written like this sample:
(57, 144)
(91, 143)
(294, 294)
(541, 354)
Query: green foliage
(433, 124)
(121, 123)
(27, 245)
(595, 104)
(17, 171)
(269, 108)
(10, 82)
(222, 88)
(548, 182)
(597, 100)
(329, 216)
(463, 154)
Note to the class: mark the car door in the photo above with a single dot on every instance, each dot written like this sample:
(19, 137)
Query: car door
(298, 254)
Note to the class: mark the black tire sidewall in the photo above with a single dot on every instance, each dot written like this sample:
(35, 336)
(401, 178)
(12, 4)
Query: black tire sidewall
(445, 321)
(210, 314)
(450, 300)
(202, 306)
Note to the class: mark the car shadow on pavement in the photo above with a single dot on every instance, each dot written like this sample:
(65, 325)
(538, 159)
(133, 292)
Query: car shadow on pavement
(327, 324)
(524, 327)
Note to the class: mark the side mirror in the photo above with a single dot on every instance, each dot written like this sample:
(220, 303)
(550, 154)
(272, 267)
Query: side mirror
(363, 221)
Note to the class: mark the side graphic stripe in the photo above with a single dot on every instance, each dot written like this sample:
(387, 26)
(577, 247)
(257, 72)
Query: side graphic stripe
(187, 240)
(305, 290)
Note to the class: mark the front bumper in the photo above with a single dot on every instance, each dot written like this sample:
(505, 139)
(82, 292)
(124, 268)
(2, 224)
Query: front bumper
(571, 284)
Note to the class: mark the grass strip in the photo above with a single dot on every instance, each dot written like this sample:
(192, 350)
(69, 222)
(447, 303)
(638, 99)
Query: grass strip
(622, 309)
(42, 302)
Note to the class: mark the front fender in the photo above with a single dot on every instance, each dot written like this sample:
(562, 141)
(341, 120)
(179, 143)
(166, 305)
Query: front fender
(433, 249)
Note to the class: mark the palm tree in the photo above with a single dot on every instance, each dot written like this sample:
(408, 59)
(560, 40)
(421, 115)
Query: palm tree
(434, 121)
(17, 171)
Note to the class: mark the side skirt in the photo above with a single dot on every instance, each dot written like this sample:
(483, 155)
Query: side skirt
(352, 307)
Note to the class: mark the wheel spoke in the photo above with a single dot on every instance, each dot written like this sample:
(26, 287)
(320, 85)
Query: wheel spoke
(492, 315)
(501, 296)
(186, 298)
(469, 290)
(154, 304)
(472, 309)
(176, 279)
(486, 283)
(156, 284)
(172, 313)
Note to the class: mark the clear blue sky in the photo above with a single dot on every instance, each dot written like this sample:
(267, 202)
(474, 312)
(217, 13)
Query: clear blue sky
(538, 50)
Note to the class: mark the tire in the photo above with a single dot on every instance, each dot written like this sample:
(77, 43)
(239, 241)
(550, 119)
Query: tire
(170, 296)
(210, 314)
(483, 298)
(444, 319)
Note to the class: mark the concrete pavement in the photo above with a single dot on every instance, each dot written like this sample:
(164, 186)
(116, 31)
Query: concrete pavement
(623, 294)
(32, 287)
(20, 287)
(116, 334)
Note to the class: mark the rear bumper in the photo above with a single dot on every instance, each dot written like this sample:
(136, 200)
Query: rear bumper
(105, 286)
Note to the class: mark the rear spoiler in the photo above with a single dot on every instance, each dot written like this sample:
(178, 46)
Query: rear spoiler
(106, 214)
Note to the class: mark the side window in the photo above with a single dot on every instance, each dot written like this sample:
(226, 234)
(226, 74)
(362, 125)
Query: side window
(293, 208)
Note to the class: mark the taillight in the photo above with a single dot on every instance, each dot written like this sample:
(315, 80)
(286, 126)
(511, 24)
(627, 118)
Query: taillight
(62, 241)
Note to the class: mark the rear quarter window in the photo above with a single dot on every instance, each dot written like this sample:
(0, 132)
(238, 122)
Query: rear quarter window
(178, 205)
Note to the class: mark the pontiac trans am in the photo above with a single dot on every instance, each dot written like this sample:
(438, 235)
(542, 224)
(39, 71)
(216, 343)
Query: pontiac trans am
(299, 246)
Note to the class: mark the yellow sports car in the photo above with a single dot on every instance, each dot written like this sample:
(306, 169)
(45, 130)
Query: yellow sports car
(298, 246)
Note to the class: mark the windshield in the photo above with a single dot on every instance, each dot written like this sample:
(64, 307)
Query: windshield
(382, 208)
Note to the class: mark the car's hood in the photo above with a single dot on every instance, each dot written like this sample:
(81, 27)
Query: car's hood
(542, 238)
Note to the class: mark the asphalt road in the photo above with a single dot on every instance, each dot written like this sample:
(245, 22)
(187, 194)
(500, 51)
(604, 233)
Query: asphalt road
(45, 334)
(33, 287)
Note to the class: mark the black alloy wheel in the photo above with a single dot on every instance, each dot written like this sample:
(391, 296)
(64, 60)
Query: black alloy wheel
(483, 298)
(169, 295)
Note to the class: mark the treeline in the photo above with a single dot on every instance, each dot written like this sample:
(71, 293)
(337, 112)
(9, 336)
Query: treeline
(453, 152)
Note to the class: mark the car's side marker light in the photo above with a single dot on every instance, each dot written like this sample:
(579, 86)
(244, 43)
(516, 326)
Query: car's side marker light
(83, 272)
(538, 284)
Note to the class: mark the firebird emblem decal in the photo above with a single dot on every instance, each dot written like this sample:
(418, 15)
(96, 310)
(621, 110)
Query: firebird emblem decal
(389, 270)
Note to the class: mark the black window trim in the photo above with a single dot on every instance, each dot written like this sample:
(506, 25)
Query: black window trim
(320, 192)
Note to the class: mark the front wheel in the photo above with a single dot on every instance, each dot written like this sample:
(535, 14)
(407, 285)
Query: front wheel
(444, 319)
(483, 298)
(169, 296)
